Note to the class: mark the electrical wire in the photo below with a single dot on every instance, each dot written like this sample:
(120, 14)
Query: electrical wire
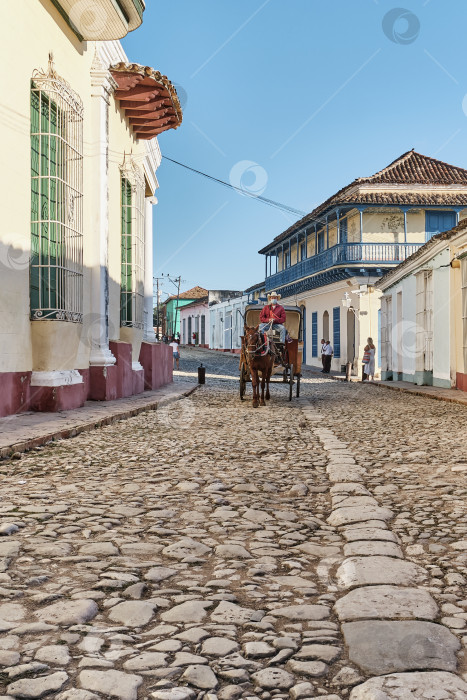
(264, 200)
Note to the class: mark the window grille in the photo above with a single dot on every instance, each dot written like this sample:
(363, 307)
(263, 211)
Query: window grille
(56, 267)
(132, 229)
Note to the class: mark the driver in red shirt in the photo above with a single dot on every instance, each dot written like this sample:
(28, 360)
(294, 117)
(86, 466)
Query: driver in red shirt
(274, 312)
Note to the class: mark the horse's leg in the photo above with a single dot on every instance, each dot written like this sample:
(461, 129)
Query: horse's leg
(263, 382)
(268, 378)
(254, 382)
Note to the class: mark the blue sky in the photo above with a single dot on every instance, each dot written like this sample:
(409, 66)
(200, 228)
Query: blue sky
(312, 93)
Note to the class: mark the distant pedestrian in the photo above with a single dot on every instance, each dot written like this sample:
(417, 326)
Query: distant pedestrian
(176, 352)
(368, 369)
(328, 353)
(322, 353)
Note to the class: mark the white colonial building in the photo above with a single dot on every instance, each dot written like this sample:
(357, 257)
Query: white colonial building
(332, 259)
(227, 314)
(424, 314)
(79, 133)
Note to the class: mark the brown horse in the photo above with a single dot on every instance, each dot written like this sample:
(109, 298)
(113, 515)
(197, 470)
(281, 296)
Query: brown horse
(253, 347)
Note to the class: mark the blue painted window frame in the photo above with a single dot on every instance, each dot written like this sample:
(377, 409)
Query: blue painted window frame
(444, 226)
(314, 334)
(336, 330)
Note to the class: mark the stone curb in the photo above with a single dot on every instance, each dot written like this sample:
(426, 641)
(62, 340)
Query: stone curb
(415, 392)
(401, 389)
(71, 432)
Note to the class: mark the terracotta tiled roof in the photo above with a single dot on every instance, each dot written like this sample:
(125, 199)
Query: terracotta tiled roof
(410, 198)
(415, 168)
(194, 293)
(148, 98)
(411, 168)
(444, 236)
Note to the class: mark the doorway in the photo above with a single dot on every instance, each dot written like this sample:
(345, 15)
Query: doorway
(326, 326)
(350, 336)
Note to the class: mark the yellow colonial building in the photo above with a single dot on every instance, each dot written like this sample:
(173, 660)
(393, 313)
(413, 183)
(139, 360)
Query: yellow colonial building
(79, 133)
(330, 261)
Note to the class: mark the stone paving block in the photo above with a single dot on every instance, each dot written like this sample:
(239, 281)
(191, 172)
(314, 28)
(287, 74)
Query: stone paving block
(358, 514)
(365, 571)
(386, 602)
(379, 647)
(412, 686)
(372, 548)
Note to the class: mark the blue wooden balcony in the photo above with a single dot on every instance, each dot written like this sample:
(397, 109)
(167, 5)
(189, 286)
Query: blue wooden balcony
(354, 254)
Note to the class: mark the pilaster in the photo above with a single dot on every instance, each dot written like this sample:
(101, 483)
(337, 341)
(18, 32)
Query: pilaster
(102, 87)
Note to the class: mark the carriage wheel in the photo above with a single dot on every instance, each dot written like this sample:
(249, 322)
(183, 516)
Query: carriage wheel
(298, 386)
(242, 383)
(291, 382)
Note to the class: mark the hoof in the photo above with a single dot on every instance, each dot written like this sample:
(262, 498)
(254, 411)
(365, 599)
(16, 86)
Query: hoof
(263, 403)
(255, 405)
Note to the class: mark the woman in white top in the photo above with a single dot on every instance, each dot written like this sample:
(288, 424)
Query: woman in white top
(176, 352)
(369, 366)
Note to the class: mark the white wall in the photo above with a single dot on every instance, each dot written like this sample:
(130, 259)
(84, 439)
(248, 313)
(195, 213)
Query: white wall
(326, 299)
(218, 313)
(402, 341)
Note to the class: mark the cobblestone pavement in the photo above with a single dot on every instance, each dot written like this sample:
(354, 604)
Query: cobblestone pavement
(211, 550)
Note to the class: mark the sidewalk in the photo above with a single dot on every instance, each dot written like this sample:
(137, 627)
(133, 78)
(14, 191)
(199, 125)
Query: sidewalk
(24, 431)
(431, 392)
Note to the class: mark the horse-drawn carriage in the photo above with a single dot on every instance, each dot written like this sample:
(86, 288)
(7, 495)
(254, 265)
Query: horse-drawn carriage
(286, 361)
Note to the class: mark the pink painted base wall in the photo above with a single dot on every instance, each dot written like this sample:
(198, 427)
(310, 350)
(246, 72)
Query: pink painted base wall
(14, 392)
(99, 383)
(461, 381)
(157, 361)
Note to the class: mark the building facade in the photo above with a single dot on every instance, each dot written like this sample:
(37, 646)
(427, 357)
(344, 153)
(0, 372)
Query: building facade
(226, 318)
(329, 262)
(424, 314)
(172, 306)
(194, 323)
(79, 131)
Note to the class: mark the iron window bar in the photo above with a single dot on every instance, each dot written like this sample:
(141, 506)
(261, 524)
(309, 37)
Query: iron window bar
(56, 264)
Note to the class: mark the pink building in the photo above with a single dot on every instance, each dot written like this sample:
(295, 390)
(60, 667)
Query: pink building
(194, 323)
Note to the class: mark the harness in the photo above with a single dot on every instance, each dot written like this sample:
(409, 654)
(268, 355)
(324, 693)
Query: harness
(262, 349)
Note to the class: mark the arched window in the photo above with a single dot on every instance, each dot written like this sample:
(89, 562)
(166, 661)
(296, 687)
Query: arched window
(132, 229)
(56, 268)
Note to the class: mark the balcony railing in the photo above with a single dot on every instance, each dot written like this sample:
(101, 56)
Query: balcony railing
(383, 254)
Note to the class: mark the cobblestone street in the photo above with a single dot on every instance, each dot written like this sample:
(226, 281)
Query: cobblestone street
(316, 548)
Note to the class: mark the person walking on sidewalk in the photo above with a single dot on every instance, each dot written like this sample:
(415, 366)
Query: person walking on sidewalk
(328, 353)
(176, 352)
(322, 352)
(368, 370)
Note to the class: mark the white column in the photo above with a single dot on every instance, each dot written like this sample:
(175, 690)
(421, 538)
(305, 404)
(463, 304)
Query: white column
(102, 86)
(149, 335)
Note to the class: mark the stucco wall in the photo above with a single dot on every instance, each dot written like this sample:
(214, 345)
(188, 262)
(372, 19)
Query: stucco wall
(403, 345)
(41, 29)
(330, 297)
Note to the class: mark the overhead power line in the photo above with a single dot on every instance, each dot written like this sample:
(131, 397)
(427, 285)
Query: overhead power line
(240, 190)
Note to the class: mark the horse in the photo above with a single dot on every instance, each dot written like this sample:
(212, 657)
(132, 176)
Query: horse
(259, 358)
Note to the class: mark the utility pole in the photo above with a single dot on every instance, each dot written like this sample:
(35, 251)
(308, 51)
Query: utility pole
(177, 279)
